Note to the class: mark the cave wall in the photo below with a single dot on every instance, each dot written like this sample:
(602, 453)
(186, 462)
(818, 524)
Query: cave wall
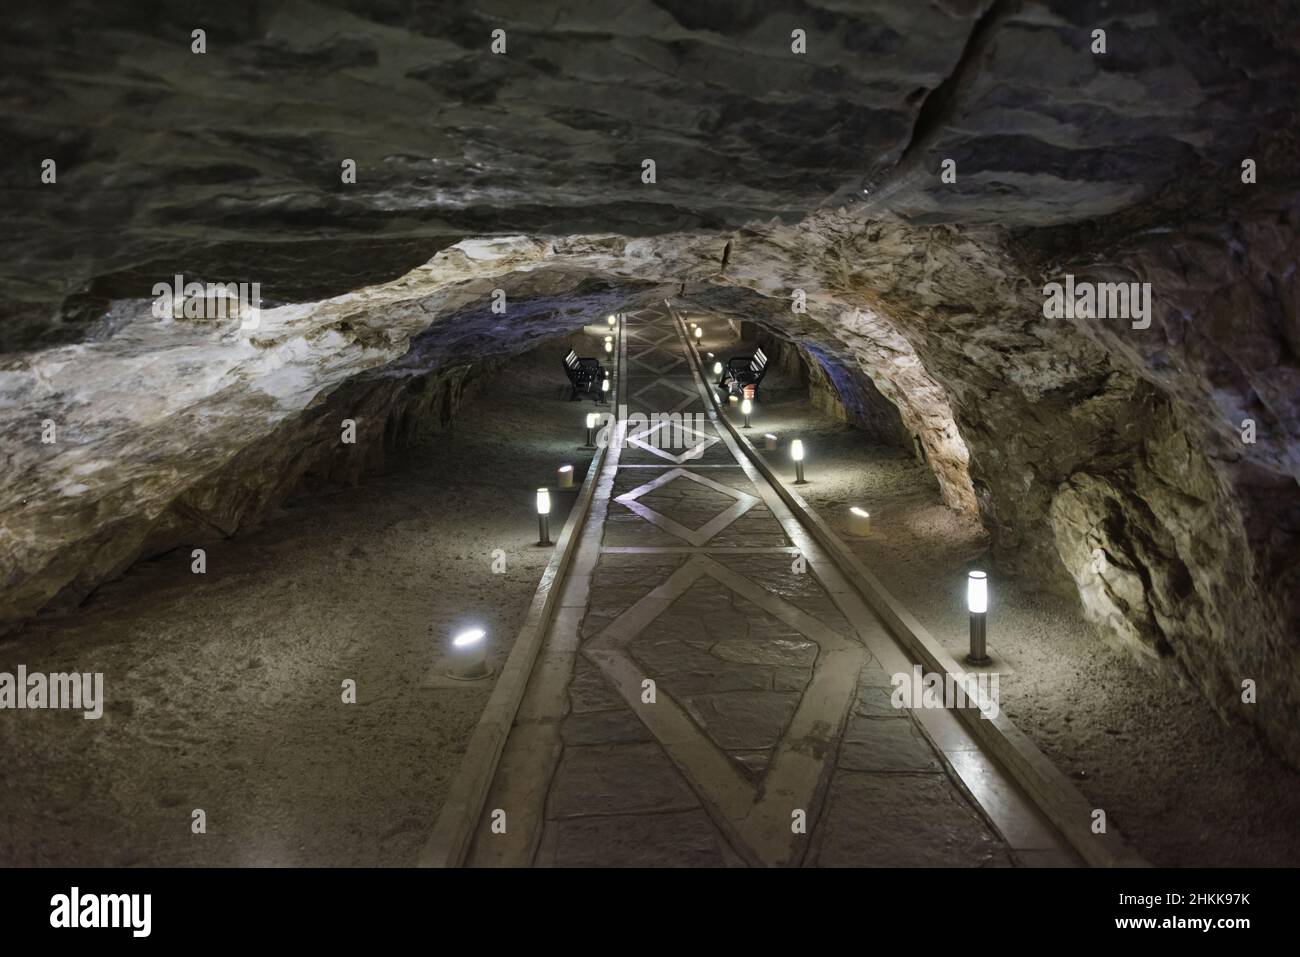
(390, 414)
(1103, 461)
(839, 390)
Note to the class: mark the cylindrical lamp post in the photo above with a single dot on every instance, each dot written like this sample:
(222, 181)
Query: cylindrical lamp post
(977, 602)
(604, 390)
(769, 441)
(717, 368)
(564, 476)
(746, 407)
(592, 418)
(612, 320)
(609, 344)
(543, 517)
(796, 453)
(699, 334)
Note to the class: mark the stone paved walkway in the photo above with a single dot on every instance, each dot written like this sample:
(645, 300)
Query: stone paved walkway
(711, 681)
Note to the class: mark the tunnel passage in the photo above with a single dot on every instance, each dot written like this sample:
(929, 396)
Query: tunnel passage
(887, 205)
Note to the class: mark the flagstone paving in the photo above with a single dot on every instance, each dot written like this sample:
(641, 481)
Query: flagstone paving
(708, 683)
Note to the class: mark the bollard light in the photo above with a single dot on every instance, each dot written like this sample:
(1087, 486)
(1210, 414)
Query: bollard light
(592, 419)
(604, 390)
(611, 320)
(609, 345)
(746, 407)
(564, 476)
(769, 440)
(469, 656)
(859, 521)
(543, 517)
(699, 333)
(796, 453)
(977, 602)
(717, 368)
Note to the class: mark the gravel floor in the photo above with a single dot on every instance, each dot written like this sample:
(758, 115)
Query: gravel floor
(224, 691)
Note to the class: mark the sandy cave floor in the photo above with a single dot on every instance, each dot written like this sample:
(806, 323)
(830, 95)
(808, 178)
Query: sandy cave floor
(1182, 786)
(224, 691)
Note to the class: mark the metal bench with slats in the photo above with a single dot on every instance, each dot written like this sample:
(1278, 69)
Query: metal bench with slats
(585, 375)
(742, 374)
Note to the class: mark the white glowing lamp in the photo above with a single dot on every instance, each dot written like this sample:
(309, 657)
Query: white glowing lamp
(859, 521)
(611, 319)
(977, 593)
(564, 476)
(592, 418)
(717, 368)
(796, 453)
(469, 654)
(746, 407)
(699, 333)
(543, 501)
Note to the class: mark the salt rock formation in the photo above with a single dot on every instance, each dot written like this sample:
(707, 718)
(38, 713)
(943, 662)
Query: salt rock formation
(1105, 460)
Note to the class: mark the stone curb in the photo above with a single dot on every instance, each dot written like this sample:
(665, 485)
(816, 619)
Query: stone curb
(1050, 790)
(463, 808)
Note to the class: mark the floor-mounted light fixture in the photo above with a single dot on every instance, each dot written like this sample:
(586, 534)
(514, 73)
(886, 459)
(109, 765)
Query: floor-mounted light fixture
(859, 521)
(564, 476)
(769, 441)
(746, 407)
(609, 344)
(469, 656)
(796, 453)
(592, 419)
(699, 333)
(717, 368)
(543, 517)
(604, 390)
(977, 603)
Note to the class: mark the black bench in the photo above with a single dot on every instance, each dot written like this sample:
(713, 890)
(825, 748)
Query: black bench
(743, 371)
(585, 375)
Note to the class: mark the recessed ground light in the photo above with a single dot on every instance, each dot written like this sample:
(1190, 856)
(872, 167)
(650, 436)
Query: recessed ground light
(859, 521)
(977, 603)
(746, 407)
(564, 476)
(543, 516)
(796, 453)
(469, 656)
(770, 441)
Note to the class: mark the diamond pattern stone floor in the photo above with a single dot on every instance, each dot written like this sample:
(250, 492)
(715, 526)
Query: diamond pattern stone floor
(719, 690)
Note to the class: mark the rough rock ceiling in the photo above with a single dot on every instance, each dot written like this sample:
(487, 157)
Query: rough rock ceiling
(1100, 458)
(229, 162)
